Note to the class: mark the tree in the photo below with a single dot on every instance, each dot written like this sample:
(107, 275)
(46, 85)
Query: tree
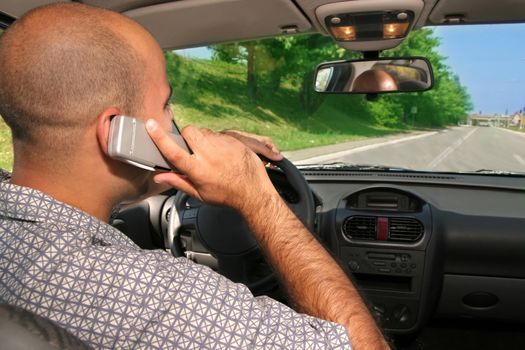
(240, 53)
(448, 102)
(269, 62)
(292, 59)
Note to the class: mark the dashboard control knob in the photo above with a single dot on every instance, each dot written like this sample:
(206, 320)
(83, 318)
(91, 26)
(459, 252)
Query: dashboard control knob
(379, 309)
(401, 313)
(353, 265)
(380, 313)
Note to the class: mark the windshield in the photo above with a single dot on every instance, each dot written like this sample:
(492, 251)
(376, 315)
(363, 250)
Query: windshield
(471, 121)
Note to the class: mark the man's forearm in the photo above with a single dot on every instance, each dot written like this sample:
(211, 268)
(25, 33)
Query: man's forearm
(317, 285)
(223, 171)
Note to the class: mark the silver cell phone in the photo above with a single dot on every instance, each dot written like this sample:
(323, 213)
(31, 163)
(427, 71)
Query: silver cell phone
(130, 142)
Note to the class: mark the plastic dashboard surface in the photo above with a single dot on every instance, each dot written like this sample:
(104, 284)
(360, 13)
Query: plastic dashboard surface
(421, 245)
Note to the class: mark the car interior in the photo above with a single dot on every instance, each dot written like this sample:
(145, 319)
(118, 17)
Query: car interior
(438, 256)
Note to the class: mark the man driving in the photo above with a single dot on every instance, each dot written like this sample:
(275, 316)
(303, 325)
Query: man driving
(66, 70)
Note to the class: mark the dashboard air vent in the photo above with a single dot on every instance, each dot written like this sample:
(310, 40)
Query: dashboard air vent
(404, 229)
(360, 228)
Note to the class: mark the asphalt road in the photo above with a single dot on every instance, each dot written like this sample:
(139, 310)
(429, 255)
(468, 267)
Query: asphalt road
(455, 149)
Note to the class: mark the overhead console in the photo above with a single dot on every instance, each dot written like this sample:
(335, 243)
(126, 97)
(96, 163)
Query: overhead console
(383, 235)
(369, 25)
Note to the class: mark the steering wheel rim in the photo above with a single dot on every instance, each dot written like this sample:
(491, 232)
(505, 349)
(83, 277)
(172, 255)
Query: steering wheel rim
(246, 246)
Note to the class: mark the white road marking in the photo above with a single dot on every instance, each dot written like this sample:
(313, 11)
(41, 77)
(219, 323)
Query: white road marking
(335, 155)
(519, 159)
(443, 155)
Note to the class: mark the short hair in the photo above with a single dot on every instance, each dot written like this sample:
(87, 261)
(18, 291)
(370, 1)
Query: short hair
(61, 65)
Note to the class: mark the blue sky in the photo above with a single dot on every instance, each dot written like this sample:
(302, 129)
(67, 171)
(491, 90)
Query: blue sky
(489, 59)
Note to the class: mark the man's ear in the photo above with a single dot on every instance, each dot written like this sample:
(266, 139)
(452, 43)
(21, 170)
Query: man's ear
(103, 124)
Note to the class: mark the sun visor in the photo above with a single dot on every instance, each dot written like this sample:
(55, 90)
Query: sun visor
(191, 23)
(476, 11)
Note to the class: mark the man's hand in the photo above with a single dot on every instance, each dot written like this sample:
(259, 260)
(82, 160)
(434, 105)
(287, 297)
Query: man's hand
(222, 170)
(259, 144)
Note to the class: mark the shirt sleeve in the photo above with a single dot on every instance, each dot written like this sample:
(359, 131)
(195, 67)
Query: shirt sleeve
(131, 298)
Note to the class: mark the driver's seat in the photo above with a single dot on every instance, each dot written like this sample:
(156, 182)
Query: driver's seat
(21, 330)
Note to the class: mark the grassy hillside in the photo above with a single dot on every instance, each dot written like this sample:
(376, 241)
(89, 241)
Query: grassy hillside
(213, 94)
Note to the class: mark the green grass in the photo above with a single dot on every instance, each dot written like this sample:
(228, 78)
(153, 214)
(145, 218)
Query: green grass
(213, 94)
(6, 149)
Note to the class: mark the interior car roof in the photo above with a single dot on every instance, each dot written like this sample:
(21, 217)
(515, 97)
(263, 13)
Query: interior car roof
(191, 23)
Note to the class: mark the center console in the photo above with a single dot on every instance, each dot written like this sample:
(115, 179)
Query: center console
(383, 238)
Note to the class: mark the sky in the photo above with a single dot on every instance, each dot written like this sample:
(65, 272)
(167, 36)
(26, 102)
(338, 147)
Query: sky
(490, 62)
(489, 59)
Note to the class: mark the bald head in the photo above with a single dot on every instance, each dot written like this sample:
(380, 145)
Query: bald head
(374, 80)
(62, 65)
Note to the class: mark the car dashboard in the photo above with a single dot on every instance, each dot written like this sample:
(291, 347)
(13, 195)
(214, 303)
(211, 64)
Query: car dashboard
(424, 245)
(419, 246)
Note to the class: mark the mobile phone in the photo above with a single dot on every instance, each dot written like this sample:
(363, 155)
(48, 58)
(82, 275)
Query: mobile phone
(130, 142)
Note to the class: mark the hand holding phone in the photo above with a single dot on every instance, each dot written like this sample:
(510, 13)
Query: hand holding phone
(129, 142)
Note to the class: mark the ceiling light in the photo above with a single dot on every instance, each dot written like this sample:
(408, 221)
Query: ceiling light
(395, 30)
(345, 33)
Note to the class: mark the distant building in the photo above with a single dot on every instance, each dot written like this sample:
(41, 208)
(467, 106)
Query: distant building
(489, 120)
(516, 120)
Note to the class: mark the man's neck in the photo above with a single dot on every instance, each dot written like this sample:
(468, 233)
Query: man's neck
(82, 192)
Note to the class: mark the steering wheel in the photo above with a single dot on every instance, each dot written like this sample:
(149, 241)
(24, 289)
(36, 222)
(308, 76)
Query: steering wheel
(222, 233)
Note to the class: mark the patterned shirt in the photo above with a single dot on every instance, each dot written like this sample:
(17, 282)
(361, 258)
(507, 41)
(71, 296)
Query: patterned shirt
(88, 277)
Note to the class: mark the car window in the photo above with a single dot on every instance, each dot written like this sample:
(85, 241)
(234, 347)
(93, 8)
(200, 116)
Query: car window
(266, 87)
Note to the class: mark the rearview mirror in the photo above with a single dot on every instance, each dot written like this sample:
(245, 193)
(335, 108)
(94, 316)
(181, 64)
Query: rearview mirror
(374, 76)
